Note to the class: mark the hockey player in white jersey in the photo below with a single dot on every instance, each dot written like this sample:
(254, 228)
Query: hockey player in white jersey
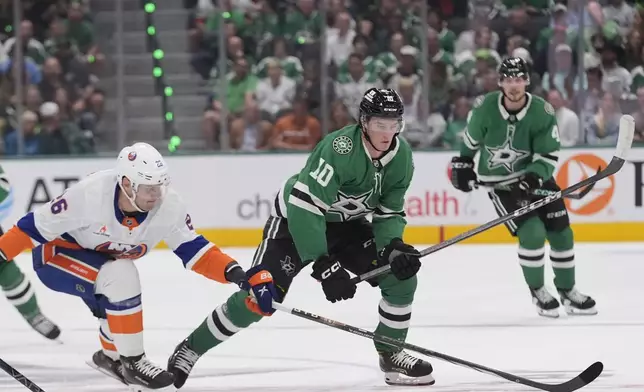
(84, 243)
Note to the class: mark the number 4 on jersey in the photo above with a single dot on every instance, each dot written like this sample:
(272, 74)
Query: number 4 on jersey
(323, 173)
(555, 133)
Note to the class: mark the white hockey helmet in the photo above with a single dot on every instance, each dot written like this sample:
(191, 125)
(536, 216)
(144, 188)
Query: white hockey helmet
(141, 164)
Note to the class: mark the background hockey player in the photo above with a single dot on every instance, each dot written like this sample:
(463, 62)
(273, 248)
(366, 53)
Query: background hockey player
(318, 218)
(516, 136)
(15, 284)
(89, 238)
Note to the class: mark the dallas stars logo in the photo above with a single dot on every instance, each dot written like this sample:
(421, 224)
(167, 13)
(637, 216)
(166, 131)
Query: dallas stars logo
(350, 207)
(505, 155)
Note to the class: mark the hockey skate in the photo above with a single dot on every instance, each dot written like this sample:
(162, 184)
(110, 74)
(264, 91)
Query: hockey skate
(44, 326)
(143, 375)
(106, 365)
(181, 363)
(401, 368)
(547, 305)
(577, 303)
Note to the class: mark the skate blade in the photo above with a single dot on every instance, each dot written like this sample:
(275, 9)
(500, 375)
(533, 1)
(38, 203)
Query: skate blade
(105, 372)
(393, 378)
(549, 313)
(572, 311)
(139, 388)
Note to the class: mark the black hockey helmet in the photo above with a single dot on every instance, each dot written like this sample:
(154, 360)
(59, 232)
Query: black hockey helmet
(514, 67)
(381, 103)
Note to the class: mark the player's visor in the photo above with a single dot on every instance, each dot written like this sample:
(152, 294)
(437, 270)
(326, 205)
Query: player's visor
(386, 125)
(151, 191)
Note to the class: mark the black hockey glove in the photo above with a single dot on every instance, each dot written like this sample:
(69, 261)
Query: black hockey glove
(527, 183)
(463, 176)
(336, 281)
(404, 259)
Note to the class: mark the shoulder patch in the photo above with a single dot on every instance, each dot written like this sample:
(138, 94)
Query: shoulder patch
(342, 145)
(548, 108)
(478, 101)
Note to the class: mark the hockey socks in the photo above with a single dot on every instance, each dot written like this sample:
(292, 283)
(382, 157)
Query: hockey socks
(225, 321)
(562, 256)
(18, 290)
(394, 309)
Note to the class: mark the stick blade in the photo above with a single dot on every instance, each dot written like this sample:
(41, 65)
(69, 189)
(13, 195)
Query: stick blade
(625, 138)
(589, 375)
(584, 378)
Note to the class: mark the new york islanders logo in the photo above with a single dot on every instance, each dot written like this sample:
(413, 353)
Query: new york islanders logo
(122, 251)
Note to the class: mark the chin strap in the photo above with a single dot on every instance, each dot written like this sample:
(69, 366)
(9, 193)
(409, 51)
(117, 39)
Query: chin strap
(131, 199)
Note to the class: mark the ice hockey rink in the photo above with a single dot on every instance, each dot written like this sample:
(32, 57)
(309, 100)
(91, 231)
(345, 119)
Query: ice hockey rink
(471, 303)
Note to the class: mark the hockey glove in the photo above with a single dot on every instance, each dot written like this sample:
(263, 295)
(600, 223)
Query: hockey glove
(463, 176)
(527, 183)
(336, 282)
(259, 284)
(404, 259)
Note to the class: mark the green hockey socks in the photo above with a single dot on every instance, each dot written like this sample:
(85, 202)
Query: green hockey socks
(233, 316)
(532, 237)
(562, 256)
(18, 290)
(394, 309)
(226, 320)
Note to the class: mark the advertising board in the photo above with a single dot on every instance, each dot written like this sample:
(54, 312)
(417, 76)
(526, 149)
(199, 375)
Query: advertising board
(230, 196)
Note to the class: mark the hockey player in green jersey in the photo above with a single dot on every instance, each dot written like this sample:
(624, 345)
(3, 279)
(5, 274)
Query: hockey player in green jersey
(517, 139)
(15, 284)
(319, 218)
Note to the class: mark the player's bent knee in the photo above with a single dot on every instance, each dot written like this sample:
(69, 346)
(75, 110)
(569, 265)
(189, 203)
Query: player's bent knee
(118, 280)
(563, 239)
(397, 291)
(532, 234)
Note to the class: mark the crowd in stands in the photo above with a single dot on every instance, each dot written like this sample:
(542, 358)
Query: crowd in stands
(586, 57)
(62, 104)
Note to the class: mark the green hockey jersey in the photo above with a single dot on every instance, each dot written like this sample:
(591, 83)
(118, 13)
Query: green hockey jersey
(510, 145)
(340, 182)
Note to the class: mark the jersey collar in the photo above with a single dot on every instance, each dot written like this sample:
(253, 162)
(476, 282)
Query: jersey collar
(385, 159)
(521, 114)
(129, 221)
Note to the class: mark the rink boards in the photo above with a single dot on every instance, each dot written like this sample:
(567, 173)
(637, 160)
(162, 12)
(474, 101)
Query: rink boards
(230, 196)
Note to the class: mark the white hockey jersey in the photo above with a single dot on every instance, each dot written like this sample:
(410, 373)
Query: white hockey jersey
(87, 216)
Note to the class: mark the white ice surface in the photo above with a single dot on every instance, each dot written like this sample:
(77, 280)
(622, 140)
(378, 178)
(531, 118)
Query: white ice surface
(471, 303)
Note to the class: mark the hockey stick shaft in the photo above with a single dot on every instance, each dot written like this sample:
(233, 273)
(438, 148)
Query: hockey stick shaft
(624, 142)
(10, 370)
(586, 377)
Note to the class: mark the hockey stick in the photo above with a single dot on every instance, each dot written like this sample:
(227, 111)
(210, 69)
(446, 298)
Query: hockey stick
(544, 192)
(19, 377)
(624, 141)
(583, 379)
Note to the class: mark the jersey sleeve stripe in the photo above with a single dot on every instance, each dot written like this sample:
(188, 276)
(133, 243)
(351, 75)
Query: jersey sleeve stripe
(213, 264)
(28, 225)
(380, 214)
(304, 205)
(305, 188)
(386, 210)
(189, 252)
(306, 198)
(470, 142)
(547, 158)
(13, 242)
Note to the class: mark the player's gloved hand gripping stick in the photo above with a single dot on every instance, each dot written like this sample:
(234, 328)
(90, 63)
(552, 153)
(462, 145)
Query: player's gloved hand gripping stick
(624, 142)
